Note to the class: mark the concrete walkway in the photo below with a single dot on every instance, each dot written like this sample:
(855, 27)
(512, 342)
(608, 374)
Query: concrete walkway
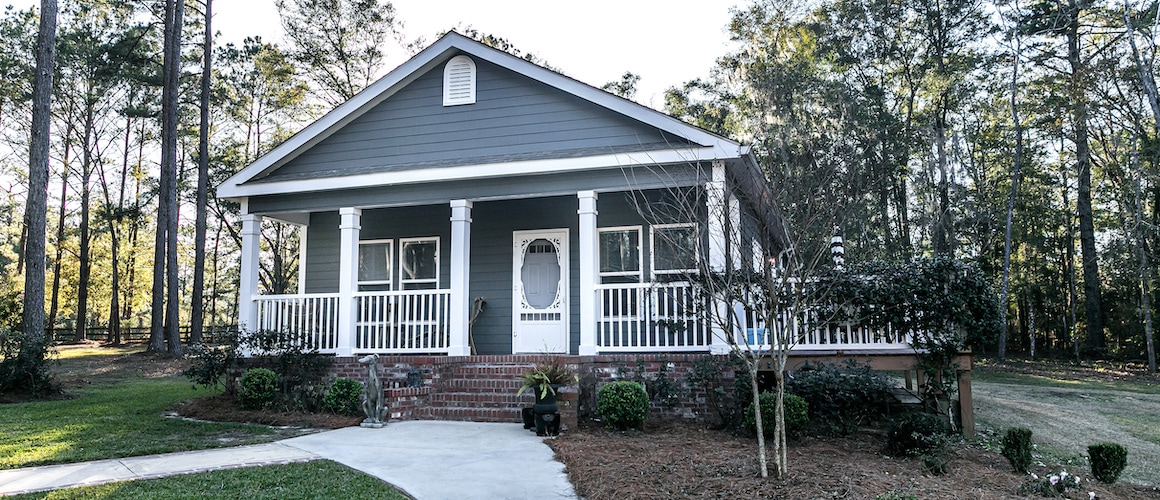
(425, 459)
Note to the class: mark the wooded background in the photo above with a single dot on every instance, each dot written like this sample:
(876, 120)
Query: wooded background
(938, 124)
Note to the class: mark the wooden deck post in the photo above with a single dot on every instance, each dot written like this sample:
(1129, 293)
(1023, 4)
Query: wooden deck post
(966, 400)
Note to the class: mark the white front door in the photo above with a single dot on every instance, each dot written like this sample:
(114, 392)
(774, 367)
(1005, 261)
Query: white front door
(540, 291)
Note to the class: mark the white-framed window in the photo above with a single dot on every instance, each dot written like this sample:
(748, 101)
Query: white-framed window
(675, 249)
(375, 262)
(419, 263)
(459, 81)
(621, 258)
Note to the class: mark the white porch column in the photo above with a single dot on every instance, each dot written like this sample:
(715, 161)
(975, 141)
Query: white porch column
(350, 222)
(589, 271)
(248, 280)
(718, 211)
(302, 230)
(460, 343)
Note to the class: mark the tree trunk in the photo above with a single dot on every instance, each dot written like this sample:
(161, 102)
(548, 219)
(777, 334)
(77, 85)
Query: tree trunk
(1011, 199)
(54, 303)
(197, 303)
(32, 318)
(86, 265)
(1093, 303)
(169, 144)
(1144, 70)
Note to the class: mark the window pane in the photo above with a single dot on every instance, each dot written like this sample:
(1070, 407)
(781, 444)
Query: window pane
(674, 248)
(419, 260)
(619, 251)
(374, 262)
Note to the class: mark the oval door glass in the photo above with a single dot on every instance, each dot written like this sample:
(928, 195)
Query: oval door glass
(540, 274)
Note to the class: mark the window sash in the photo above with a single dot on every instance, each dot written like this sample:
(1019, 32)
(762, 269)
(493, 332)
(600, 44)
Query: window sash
(376, 268)
(418, 262)
(674, 252)
(620, 253)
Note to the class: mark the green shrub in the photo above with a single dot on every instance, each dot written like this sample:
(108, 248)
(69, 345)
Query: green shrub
(1108, 461)
(840, 398)
(1017, 448)
(923, 436)
(24, 365)
(622, 405)
(209, 365)
(796, 414)
(259, 388)
(916, 434)
(344, 397)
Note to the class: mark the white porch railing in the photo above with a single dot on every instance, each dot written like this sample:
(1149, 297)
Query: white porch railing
(309, 320)
(813, 332)
(405, 321)
(650, 317)
(397, 322)
(669, 317)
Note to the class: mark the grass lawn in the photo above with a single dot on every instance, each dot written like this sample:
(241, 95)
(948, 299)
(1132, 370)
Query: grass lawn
(1068, 409)
(116, 410)
(310, 480)
(120, 420)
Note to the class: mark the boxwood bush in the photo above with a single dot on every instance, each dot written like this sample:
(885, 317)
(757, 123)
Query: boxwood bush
(796, 414)
(1017, 448)
(622, 405)
(1108, 461)
(259, 388)
(344, 397)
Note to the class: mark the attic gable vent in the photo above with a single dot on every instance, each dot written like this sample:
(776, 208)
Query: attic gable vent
(459, 81)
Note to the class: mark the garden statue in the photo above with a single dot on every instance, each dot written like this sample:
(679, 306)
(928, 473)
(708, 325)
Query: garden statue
(373, 402)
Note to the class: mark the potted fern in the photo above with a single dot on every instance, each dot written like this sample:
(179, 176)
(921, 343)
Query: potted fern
(544, 380)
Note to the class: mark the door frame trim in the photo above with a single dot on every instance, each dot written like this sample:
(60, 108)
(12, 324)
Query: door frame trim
(565, 280)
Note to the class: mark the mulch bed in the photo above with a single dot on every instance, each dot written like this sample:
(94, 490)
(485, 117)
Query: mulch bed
(223, 408)
(690, 461)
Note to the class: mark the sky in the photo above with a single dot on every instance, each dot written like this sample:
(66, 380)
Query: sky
(666, 42)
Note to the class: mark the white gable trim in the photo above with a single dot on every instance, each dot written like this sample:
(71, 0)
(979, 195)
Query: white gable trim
(445, 48)
(483, 171)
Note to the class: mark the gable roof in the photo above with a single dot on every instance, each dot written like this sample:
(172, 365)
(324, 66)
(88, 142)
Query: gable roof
(693, 144)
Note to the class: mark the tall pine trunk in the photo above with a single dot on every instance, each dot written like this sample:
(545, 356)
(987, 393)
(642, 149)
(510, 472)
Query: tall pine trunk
(85, 257)
(36, 211)
(1018, 162)
(197, 303)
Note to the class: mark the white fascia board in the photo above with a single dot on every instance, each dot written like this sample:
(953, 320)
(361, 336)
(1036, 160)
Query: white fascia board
(469, 172)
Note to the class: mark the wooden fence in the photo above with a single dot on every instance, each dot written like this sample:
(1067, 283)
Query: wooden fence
(101, 334)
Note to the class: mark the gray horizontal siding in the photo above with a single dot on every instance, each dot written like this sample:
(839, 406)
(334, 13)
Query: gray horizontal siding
(493, 224)
(568, 183)
(512, 114)
(322, 248)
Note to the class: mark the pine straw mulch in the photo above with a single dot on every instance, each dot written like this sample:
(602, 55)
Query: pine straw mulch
(1064, 369)
(224, 408)
(689, 461)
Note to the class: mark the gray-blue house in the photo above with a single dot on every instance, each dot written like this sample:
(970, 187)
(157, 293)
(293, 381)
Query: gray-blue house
(472, 202)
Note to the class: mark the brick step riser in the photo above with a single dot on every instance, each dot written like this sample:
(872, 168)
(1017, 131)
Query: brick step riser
(476, 403)
(491, 387)
(469, 414)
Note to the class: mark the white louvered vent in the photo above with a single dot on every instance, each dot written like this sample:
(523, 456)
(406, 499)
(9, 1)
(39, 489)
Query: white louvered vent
(459, 81)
